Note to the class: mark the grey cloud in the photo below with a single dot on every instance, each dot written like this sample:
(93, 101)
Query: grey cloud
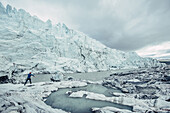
(121, 24)
(163, 57)
(109, 28)
(167, 51)
(150, 55)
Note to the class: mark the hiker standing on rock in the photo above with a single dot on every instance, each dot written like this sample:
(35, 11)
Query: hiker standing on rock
(28, 78)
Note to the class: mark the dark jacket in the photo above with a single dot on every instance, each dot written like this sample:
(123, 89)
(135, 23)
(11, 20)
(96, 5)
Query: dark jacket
(29, 75)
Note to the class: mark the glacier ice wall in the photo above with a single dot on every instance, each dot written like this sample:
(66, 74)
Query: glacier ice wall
(41, 47)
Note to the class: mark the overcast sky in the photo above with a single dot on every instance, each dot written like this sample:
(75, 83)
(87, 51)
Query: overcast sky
(129, 25)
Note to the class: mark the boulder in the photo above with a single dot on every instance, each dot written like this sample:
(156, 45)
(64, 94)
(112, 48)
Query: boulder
(4, 79)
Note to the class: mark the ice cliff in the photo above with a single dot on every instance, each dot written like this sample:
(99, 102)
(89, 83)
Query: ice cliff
(42, 47)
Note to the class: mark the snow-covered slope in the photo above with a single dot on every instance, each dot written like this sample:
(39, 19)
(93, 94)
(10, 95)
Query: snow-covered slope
(42, 47)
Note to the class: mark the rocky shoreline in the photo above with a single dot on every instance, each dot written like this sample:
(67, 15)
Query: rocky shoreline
(17, 98)
(149, 86)
(146, 90)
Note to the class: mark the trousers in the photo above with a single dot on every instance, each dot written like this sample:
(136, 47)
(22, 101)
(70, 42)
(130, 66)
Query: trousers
(27, 80)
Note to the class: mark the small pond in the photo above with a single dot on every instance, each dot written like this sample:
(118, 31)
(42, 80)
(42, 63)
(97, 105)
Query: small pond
(61, 100)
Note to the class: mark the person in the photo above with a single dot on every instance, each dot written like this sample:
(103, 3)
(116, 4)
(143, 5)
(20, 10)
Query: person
(28, 78)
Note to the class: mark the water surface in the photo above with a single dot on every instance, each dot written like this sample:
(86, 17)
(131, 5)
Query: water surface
(62, 101)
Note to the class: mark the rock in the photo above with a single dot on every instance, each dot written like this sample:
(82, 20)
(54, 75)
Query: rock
(162, 104)
(168, 100)
(70, 78)
(148, 97)
(4, 79)
(110, 110)
(124, 90)
(119, 94)
(53, 80)
(45, 72)
(166, 78)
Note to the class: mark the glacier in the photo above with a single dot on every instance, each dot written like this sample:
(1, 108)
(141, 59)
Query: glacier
(29, 44)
